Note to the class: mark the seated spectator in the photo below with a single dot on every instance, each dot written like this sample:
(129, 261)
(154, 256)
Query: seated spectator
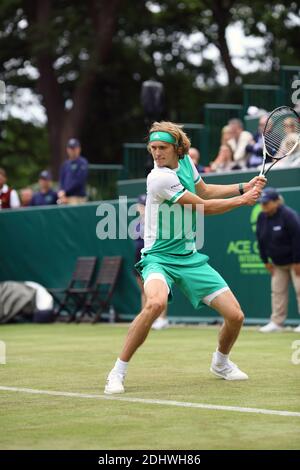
(291, 161)
(73, 176)
(8, 197)
(255, 148)
(226, 135)
(195, 156)
(288, 142)
(291, 138)
(223, 160)
(239, 141)
(46, 195)
(26, 197)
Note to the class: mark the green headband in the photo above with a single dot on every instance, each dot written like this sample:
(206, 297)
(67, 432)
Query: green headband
(163, 137)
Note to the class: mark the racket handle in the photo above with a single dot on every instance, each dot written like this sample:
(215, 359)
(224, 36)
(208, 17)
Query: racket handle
(262, 171)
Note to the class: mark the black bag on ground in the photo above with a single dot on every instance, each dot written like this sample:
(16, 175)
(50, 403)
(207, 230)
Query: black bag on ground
(43, 316)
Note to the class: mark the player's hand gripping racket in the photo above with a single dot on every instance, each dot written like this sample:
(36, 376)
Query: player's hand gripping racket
(280, 136)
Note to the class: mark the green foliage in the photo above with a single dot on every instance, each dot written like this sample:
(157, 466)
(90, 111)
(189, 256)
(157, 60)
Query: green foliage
(24, 152)
(277, 23)
(147, 43)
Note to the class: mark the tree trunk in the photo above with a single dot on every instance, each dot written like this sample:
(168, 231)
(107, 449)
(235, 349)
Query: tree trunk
(38, 14)
(221, 14)
(53, 102)
(63, 124)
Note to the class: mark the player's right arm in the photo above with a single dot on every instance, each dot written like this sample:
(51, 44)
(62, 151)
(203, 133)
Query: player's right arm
(219, 206)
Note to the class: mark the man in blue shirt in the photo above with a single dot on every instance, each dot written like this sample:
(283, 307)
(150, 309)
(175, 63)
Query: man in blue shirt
(278, 235)
(45, 196)
(73, 175)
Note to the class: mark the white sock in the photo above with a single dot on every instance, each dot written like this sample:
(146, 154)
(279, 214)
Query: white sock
(121, 366)
(221, 358)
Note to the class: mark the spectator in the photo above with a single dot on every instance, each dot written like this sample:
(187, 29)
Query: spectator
(226, 135)
(223, 161)
(278, 235)
(255, 148)
(289, 141)
(291, 161)
(195, 156)
(8, 197)
(239, 141)
(73, 176)
(46, 195)
(26, 197)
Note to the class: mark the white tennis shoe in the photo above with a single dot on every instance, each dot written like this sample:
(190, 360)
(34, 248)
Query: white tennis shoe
(114, 383)
(160, 324)
(270, 327)
(228, 371)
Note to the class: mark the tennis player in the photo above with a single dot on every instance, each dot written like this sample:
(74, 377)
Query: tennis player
(175, 259)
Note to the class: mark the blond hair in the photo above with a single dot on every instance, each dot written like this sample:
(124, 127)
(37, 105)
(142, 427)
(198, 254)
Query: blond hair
(225, 130)
(183, 143)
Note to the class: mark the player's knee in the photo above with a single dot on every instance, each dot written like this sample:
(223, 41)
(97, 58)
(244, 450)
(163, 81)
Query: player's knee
(238, 316)
(154, 307)
(235, 315)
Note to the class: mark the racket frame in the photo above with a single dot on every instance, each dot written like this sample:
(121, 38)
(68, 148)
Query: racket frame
(265, 153)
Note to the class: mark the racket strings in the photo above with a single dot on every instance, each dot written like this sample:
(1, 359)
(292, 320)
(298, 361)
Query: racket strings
(281, 133)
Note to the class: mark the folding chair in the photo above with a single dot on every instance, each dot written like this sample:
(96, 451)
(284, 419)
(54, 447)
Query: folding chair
(100, 294)
(72, 298)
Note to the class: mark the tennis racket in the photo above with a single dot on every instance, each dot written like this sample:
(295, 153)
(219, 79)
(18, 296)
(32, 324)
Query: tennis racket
(281, 136)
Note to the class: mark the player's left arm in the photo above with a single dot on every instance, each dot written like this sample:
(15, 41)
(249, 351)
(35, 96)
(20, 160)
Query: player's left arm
(220, 191)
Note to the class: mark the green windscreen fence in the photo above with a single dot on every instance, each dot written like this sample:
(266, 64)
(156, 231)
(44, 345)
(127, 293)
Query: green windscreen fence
(135, 160)
(290, 83)
(251, 124)
(265, 97)
(198, 136)
(102, 181)
(42, 245)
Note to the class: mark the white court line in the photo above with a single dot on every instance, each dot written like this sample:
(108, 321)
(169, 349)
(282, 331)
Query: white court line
(149, 401)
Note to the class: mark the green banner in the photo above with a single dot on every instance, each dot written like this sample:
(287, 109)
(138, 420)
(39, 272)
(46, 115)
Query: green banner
(42, 245)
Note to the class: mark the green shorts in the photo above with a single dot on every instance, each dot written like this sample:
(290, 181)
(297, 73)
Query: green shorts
(191, 273)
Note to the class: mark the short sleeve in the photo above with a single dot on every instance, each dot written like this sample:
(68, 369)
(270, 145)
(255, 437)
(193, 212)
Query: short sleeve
(165, 186)
(196, 175)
